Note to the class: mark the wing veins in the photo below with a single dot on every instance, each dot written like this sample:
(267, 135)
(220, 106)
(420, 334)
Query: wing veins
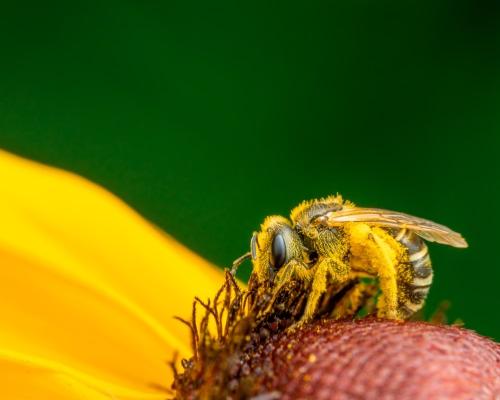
(427, 229)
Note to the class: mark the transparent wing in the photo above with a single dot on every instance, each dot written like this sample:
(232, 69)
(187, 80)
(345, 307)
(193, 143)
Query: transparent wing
(426, 229)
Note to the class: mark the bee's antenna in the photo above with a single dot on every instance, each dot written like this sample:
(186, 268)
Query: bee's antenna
(239, 261)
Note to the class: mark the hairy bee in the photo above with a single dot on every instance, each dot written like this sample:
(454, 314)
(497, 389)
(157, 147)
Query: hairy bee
(330, 241)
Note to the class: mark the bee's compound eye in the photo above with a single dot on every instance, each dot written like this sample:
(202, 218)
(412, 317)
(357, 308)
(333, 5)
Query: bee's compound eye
(278, 251)
(253, 246)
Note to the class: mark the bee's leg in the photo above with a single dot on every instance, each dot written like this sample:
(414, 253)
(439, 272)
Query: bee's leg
(360, 296)
(293, 270)
(337, 270)
(385, 260)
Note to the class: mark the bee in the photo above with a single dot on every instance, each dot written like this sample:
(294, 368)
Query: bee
(330, 241)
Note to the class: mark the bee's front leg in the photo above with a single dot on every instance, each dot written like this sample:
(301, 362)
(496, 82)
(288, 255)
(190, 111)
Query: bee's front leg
(294, 269)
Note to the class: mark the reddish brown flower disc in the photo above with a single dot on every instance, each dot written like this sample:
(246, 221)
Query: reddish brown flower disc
(371, 359)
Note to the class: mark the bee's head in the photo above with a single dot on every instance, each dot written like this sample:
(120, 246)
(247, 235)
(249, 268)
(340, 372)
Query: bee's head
(273, 246)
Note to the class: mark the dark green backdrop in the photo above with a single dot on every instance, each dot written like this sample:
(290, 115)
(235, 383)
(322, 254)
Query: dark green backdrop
(208, 116)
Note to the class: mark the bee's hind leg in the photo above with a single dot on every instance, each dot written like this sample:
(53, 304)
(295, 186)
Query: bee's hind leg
(386, 261)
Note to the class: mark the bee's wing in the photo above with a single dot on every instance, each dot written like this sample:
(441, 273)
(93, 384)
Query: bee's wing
(426, 229)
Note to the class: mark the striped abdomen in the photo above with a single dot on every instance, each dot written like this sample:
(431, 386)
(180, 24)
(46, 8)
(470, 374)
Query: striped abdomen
(415, 273)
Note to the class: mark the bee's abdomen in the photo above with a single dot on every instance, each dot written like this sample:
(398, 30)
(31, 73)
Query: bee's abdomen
(415, 275)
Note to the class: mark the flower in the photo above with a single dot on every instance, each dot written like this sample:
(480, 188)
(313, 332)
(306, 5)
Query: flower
(374, 359)
(88, 290)
(254, 355)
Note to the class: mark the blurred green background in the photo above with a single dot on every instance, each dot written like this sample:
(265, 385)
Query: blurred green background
(208, 116)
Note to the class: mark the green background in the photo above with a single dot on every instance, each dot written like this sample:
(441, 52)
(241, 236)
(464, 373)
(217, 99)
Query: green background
(208, 116)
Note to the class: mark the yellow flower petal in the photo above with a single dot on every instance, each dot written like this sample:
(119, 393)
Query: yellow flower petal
(26, 377)
(88, 289)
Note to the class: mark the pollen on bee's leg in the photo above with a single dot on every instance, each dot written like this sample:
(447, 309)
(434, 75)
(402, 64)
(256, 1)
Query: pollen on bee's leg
(308, 314)
(318, 287)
